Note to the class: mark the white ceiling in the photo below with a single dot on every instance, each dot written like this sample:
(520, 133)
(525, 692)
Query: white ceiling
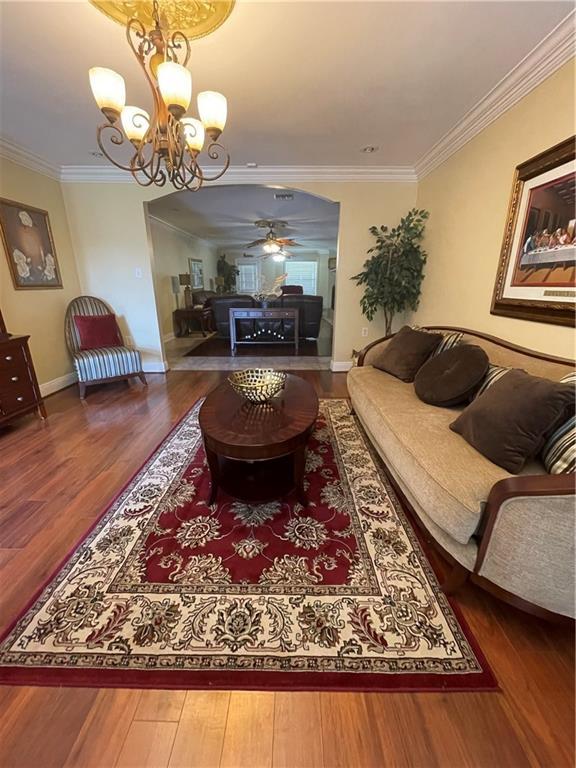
(225, 216)
(308, 83)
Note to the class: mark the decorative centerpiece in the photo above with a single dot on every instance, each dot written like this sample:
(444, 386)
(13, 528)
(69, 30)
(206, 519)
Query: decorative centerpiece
(258, 385)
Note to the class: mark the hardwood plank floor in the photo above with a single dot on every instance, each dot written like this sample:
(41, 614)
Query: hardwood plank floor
(55, 479)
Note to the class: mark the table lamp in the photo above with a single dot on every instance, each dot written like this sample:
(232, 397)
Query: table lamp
(186, 281)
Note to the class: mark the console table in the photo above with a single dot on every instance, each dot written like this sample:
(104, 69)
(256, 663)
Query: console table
(258, 313)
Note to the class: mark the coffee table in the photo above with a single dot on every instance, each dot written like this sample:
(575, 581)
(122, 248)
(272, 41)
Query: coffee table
(257, 453)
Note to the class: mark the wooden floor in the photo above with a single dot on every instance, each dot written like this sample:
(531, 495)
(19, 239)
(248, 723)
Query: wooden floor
(54, 481)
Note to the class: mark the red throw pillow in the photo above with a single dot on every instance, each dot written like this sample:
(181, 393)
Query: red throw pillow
(97, 331)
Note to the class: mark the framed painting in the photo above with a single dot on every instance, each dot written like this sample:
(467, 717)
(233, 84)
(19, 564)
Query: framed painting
(196, 274)
(29, 246)
(536, 277)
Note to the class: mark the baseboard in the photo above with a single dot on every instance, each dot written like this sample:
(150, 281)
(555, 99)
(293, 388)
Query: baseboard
(340, 367)
(160, 367)
(49, 387)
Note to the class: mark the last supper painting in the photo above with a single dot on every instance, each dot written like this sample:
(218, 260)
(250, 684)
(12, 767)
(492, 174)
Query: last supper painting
(536, 278)
(29, 246)
(547, 256)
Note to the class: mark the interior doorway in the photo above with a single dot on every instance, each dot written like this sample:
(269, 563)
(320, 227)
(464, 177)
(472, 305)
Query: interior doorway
(269, 253)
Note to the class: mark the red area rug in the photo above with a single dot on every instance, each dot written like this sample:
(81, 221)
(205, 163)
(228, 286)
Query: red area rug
(168, 592)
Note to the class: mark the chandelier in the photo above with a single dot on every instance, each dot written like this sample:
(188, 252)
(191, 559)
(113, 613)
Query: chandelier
(165, 146)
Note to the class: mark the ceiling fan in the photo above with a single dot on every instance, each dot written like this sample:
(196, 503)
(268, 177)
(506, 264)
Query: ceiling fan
(271, 243)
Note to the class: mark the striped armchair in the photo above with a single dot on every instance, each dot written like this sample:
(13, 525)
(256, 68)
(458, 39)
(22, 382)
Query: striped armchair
(95, 366)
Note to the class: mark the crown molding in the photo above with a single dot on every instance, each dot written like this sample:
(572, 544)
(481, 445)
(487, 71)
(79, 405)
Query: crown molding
(179, 230)
(21, 156)
(557, 48)
(269, 174)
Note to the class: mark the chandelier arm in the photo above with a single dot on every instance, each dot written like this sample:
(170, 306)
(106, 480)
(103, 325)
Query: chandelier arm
(174, 46)
(176, 144)
(117, 138)
(136, 29)
(215, 151)
(156, 176)
(189, 173)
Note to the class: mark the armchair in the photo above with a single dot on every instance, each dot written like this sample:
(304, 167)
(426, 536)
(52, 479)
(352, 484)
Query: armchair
(96, 366)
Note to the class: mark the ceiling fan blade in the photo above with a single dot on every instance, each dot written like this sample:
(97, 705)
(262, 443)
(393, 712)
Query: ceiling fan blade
(254, 243)
(289, 243)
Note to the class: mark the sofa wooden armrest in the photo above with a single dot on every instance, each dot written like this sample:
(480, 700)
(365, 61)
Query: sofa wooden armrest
(517, 487)
(368, 347)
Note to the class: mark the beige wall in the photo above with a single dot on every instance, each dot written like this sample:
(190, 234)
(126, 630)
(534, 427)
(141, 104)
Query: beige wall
(113, 250)
(171, 250)
(468, 199)
(111, 240)
(40, 313)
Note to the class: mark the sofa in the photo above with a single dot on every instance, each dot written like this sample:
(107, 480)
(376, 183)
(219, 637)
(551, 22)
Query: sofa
(511, 534)
(309, 314)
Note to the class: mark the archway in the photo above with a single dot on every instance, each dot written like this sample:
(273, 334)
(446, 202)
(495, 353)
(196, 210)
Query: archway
(190, 231)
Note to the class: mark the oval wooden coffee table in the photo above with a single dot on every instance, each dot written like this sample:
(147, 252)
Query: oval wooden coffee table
(257, 453)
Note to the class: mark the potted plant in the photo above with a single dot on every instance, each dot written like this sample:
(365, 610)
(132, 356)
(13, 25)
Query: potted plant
(226, 275)
(392, 276)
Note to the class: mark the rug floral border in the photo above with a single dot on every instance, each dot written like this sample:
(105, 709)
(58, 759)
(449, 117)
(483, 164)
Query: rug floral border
(347, 672)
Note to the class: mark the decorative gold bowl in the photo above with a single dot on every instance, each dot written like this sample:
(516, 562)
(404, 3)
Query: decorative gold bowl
(257, 384)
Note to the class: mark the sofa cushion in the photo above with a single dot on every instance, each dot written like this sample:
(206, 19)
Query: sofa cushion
(494, 373)
(446, 476)
(407, 352)
(511, 420)
(451, 377)
(449, 340)
(559, 452)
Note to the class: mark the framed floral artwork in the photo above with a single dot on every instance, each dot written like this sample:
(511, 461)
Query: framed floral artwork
(536, 277)
(29, 246)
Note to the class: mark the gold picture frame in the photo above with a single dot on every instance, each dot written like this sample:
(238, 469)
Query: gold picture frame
(535, 279)
(29, 245)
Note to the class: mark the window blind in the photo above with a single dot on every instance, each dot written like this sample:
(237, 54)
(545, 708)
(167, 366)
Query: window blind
(302, 273)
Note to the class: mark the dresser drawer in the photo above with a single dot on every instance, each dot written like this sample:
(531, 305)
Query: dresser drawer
(16, 399)
(17, 374)
(13, 357)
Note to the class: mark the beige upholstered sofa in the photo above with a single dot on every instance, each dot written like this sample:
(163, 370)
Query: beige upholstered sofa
(514, 534)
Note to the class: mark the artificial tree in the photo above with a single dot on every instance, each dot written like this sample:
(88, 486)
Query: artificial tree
(226, 280)
(392, 276)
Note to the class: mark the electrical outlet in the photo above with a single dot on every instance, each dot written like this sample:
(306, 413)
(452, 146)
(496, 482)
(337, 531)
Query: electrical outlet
(364, 331)
(138, 272)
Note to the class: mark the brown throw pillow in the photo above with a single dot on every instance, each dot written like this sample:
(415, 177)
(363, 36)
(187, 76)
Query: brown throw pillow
(406, 352)
(453, 376)
(510, 421)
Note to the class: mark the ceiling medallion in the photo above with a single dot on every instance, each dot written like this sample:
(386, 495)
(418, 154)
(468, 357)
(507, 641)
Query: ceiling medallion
(164, 146)
(193, 18)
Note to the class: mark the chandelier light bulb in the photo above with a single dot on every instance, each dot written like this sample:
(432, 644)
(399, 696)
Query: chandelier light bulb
(193, 134)
(213, 110)
(175, 84)
(109, 91)
(135, 122)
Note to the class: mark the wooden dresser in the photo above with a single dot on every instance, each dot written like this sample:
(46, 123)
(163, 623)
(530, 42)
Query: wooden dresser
(19, 391)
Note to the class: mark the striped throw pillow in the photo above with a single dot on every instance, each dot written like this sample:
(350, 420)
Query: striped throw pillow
(559, 452)
(449, 340)
(495, 372)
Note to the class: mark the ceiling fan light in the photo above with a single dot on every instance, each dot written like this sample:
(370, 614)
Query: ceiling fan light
(135, 122)
(279, 257)
(271, 247)
(213, 110)
(109, 91)
(175, 85)
(193, 134)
